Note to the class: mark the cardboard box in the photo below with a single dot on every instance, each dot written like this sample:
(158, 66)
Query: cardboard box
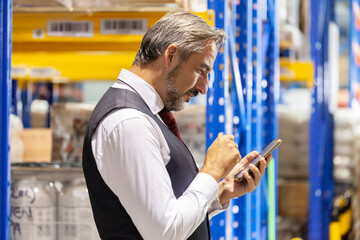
(37, 144)
(293, 198)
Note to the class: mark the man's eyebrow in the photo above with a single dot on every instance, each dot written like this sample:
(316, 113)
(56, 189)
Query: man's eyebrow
(203, 65)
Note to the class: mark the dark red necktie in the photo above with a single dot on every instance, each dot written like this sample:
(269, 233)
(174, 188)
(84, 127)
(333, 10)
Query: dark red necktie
(170, 121)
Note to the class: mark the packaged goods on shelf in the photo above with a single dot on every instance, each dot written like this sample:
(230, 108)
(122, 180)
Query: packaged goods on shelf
(16, 143)
(291, 35)
(346, 158)
(68, 123)
(293, 198)
(39, 113)
(291, 228)
(191, 123)
(294, 116)
(37, 144)
(50, 202)
(33, 210)
(346, 144)
(75, 219)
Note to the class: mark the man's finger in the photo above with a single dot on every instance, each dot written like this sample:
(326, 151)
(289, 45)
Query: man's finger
(268, 160)
(256, 174)
(251, 156)
(262, 166)
(250, 181)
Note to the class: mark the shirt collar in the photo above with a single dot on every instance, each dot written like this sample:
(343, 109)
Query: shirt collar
(145, 90)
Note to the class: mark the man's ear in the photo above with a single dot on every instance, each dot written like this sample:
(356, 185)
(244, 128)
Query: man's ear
(171, 54)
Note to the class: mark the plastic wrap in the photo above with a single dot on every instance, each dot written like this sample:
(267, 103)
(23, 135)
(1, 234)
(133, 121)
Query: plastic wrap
(68, 123)
(50, 202)
(294, 117)
(346, 145)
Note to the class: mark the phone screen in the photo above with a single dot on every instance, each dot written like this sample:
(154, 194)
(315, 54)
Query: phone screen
(256, 161)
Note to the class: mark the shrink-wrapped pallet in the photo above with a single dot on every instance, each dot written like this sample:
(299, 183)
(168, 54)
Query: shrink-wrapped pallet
(294, 116)
(346, 144)
(68, 123)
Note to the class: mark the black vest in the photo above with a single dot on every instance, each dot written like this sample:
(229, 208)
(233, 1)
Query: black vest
(111, 218)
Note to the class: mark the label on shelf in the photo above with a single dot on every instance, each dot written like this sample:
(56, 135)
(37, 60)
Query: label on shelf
(17, 72)
(38, 33)
(42, 72)
(123, 26)
(70, 28)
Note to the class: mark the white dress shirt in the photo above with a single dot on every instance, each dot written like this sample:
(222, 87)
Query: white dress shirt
(131, 154)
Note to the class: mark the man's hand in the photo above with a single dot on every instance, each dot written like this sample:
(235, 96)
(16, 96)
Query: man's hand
(230, 188)
(222, 156)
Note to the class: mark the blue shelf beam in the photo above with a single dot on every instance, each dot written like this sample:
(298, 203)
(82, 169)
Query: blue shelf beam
(321, 126)
(5, 102)
(257, 117)
(217, 102)
(271, 85)
(244, 42)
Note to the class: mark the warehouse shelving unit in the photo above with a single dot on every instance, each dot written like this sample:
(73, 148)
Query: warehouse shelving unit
(321, 126)
(5, 93)
(255, 82)
(254, 94)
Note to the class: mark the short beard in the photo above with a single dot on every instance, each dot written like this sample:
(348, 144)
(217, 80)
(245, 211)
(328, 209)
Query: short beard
(174, 97)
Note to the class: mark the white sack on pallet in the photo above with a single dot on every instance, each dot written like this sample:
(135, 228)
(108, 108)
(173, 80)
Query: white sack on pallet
(345, 150)
(346, 144)
(345, 134)
(346, 117)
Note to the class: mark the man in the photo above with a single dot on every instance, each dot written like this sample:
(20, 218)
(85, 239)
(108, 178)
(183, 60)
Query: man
(142, 180)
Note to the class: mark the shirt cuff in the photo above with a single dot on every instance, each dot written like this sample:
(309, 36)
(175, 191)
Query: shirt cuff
(206, 185)
(216, 207)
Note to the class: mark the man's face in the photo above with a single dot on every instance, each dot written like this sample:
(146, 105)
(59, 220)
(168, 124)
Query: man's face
(189, 78)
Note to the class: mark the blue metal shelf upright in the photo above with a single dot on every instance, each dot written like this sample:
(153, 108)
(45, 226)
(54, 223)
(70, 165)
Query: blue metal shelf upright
(254, 93)
(321, 125)
(5, 101)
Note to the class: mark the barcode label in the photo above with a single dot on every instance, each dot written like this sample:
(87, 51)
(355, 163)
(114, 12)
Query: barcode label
(70, 28)
(42, 72)
(18, 72)
(123, 26)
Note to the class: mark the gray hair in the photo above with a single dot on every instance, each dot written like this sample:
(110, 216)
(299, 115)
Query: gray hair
(187, 31)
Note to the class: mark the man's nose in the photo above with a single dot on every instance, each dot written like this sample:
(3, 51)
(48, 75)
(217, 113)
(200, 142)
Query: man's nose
(202, 84)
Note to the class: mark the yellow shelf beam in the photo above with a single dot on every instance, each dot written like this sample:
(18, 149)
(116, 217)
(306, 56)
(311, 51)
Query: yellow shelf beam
(299, 71)
(33, 28)
(91, 55)
(70, 66)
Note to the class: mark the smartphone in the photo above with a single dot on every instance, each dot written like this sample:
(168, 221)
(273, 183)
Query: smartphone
(264, 153)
